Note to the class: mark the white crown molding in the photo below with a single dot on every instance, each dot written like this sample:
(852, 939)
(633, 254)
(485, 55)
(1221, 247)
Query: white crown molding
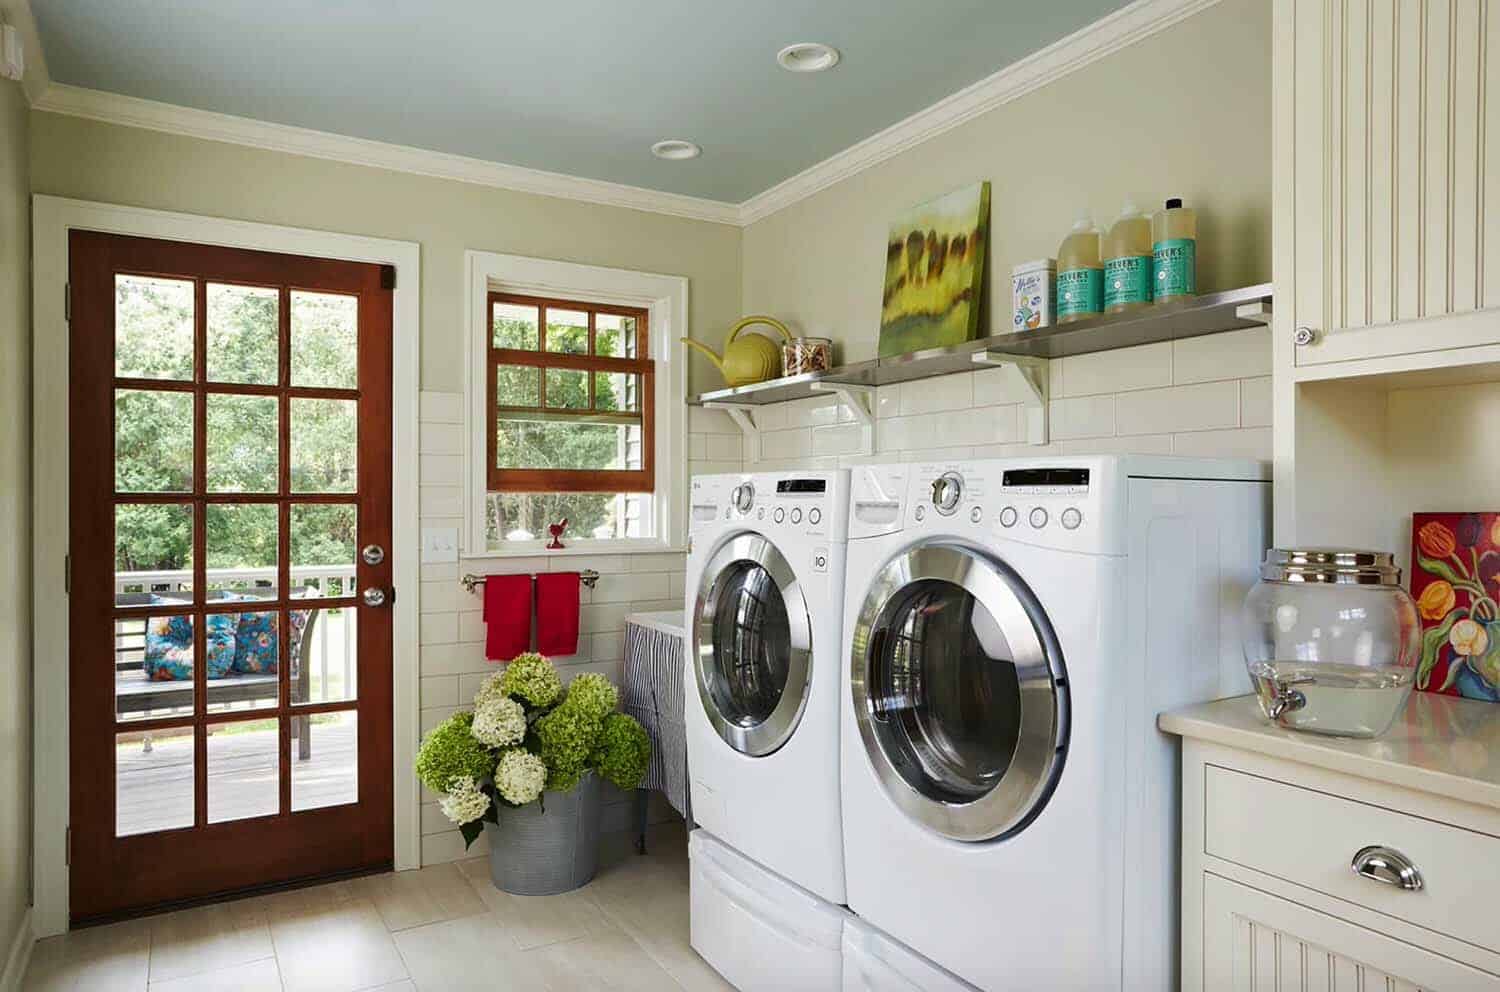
(1109, 34)
(114, 108)
(1124, 27)
(18, 15)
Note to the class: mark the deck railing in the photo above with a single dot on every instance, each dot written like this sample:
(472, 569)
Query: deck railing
(334, 632)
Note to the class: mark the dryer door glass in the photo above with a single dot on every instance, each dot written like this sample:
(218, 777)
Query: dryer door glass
(959, 692)
(752, 645)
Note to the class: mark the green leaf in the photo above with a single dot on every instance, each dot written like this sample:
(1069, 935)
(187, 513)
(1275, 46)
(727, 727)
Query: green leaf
(1452, 674)
(471, 831)
(1440, 568)
(1432, 642)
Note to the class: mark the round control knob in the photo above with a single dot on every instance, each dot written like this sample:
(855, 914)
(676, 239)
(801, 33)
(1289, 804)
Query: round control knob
(780, 514)
(815, 516)
(1008, 517)
(947, 491)
(976, 515)
(743, 497)
(796, 514)
(1071, 518)
(1038, 517)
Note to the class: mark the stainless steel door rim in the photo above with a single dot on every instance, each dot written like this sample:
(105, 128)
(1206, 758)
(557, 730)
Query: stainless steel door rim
(1041, 732)
(761, 737)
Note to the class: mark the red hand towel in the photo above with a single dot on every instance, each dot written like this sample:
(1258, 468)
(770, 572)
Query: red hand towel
(557, 613)
(507, 616)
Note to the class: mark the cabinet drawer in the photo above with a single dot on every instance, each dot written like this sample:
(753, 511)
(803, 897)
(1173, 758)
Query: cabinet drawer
(1309, 838)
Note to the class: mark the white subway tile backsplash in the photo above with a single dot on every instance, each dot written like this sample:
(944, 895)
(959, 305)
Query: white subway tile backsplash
(697, 447)
(785, 444)
(658, 561)
(1255, 402)
(949, 392)
(1139, 444)
(441, 690)
(441, 408)
(840, 439)
(702, 420)
(1245, 442)
(887, 401)
(438, 628)
(444, 597)
(629, 587)
(453, 659)
(1222, 356)
(441, 501)
(440, 470)
(1143, 367)
(723, 447)
(471, 626)
(815, 412)
(1204, 406)
(437, 438)
(951, 454)
(1083, 416)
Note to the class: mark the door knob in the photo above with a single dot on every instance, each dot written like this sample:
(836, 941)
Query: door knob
(373, 554)
(374, 596)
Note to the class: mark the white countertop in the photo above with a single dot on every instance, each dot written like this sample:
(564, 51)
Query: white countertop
(1440, 744)
(666, 621)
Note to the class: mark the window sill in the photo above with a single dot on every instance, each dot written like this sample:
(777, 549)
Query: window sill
(580, 550)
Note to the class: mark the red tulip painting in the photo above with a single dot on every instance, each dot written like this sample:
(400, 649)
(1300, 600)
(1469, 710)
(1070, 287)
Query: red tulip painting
(1455, 578)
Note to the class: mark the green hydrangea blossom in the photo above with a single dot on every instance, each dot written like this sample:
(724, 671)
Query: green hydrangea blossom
(531, 678)
(623, 751)
(450, 752)
(566, 739)
(592, 695)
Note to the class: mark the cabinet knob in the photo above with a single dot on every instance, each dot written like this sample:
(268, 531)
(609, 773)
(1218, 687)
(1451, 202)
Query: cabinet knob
(1387, 866)
(1305, 336)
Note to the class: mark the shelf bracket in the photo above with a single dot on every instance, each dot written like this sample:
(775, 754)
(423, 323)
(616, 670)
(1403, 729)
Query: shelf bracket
(860, 402)
(740, 413)
(1029, 378)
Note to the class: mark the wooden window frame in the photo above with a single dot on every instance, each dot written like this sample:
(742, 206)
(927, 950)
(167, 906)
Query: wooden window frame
(560, 480)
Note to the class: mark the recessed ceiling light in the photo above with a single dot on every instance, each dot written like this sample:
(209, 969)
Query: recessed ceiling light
(808, 56)
(675, 149)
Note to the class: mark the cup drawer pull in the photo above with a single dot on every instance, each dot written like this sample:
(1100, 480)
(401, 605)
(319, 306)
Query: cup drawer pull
(1386, 865)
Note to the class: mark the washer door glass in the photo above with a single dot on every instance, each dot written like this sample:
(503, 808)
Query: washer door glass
(959, 692)
(753, 641)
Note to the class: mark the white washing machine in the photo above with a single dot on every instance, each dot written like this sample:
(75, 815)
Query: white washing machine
(1013, 628)
(765, 578)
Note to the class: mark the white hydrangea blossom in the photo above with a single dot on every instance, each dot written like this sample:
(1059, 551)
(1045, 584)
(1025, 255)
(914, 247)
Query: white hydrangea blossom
(499, 722)
(519, 776)
(465, 801)
(489, 692)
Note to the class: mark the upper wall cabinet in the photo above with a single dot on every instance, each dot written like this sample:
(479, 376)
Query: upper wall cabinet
(1387, 180)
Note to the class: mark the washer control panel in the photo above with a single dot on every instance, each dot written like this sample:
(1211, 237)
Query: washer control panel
(793, 503)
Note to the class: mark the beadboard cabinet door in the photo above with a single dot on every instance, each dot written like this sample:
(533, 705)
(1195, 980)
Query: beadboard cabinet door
(1387, 167)
(1256, 942)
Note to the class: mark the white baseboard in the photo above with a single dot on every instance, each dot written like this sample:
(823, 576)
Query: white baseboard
(19, 955)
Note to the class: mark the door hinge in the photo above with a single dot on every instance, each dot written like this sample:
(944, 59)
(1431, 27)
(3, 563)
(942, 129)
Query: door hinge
(67, 301)
(68, 847)
(67, 574)
(387, 277)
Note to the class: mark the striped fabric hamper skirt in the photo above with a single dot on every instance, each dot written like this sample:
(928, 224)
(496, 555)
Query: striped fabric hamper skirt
(653, 694)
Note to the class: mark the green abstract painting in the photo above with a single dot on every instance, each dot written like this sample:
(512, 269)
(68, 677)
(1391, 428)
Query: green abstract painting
(934, 272)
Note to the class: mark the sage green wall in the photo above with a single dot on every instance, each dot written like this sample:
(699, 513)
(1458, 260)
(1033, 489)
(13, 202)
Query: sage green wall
(15, 515)
(92, 161)
(1186, 112)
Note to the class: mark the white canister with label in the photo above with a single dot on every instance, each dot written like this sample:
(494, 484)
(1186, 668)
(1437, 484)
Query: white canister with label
(1033, 296)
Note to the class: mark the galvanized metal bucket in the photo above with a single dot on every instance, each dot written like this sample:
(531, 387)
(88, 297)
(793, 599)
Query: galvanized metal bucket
(541, 852)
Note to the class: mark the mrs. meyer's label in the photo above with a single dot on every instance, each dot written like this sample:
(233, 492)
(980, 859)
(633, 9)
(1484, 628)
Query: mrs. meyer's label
(1176, 267)
(1127, 280)
(1079, 292)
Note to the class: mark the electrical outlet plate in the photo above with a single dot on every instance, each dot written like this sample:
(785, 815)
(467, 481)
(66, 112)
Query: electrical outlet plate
(439, 544)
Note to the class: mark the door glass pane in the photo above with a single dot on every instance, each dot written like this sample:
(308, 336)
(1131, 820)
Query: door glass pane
(244, 333)
(323, 537)
(244, 761)
(608, 335)
(325, 340)
(568, 389)
(153, 327)
(516, 385)
(241, 443)
(240, 541)
(752, 641)
(243, 677)
(567, 331)
(514, 326)
(325, 772)
(153, 441)
(153, 667)
(324, 445)
(325, 662)
(944, 693)
(617, 391)
(153, 781)
(153, 554)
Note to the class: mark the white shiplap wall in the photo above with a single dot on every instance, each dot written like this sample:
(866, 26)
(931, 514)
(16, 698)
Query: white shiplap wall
(452, 631)
(1201, 396)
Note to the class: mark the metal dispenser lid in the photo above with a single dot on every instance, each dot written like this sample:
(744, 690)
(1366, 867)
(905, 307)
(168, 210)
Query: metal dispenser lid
(1332, 566)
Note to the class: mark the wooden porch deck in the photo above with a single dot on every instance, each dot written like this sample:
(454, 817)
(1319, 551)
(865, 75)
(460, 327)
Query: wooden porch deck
(154, 789)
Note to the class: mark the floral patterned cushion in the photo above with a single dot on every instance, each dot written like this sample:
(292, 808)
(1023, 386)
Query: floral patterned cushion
(255, 646)
(169, 647)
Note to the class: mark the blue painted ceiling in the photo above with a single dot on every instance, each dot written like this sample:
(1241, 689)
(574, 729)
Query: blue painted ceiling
(581, 87)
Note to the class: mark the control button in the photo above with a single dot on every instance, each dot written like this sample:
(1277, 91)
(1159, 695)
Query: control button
(1038, 517)
(921, 513)
(727, 512)
(780, 514)
(1071, 518)
(1008, 517)
(947, 491)
(976, 514)
(815, 516)
(760, 514)
(796, 514)
(820, 559)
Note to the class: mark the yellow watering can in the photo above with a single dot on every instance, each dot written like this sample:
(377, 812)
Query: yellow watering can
(749, 358)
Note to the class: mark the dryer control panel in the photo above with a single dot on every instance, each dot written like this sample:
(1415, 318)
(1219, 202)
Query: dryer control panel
(1055, 504)
(807, 505)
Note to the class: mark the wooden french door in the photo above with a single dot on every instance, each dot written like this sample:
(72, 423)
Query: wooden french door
(230, 584)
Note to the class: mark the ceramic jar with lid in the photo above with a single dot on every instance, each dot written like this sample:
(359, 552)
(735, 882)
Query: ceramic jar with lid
(1331, 640)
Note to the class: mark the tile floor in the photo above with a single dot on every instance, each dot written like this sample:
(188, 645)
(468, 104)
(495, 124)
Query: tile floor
(441, 928)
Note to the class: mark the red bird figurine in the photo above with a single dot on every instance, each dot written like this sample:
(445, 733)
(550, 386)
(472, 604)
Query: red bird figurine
(556, 531)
